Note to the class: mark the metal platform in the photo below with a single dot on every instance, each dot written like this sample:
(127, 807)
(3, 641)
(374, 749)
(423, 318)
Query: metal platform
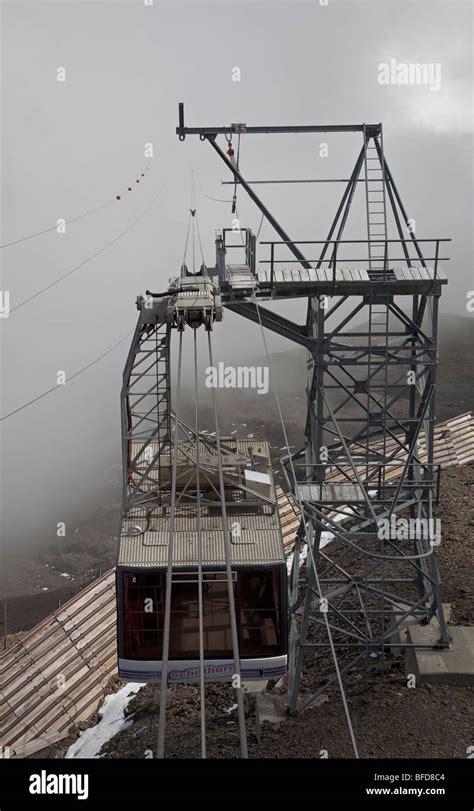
(241, 284)
(330, 493)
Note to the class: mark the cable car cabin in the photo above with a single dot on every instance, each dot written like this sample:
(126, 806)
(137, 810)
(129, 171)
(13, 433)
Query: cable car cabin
(260, 601)
(259, 579)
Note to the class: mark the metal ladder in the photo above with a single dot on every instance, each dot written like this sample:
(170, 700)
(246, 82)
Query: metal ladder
(375, 206)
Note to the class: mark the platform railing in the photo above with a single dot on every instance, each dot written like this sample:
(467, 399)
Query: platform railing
(334, 260)
(377, 476)
(246, 242)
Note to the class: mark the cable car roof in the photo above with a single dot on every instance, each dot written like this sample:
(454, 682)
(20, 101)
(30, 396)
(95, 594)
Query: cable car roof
(252, 505)
(260, 541)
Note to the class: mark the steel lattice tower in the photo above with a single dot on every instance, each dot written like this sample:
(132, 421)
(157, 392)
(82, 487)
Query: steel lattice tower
(367, 461)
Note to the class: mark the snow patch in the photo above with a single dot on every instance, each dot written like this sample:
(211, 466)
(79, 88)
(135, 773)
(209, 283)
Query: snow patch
(112, 720)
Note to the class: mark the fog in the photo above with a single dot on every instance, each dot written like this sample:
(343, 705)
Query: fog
(69, 147)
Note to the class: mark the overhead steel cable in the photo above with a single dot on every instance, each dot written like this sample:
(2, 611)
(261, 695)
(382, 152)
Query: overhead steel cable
(88, 259)
(195, 222)
(67, 222)
(186, 244)
(214, 199)
(200, 243)
(71, 377)
(228, 566)
(234, 198)
(309, 545)
(199, 545)
(54, 227)
(169, 570)
(193, 214)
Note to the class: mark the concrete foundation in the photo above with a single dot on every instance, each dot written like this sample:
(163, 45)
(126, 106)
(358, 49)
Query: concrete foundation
(449, 666)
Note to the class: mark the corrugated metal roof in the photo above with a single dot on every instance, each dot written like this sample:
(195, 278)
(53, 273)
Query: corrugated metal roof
(259, 540)
(56, 674)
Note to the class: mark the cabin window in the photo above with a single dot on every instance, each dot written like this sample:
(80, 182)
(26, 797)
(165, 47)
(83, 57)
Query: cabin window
(184, 623)
(143, 614)
(259, 614)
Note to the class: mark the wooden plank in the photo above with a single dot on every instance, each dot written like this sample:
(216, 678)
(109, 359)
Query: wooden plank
(468, 458)
(454, 422)
(28, 748)
(465, 415)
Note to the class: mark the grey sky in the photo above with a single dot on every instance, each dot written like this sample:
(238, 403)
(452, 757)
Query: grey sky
(68, 147)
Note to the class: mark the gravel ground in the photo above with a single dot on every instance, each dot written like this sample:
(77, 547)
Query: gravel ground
(389, 720)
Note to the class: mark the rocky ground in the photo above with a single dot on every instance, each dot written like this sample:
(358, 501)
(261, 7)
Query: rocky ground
(389, 720)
